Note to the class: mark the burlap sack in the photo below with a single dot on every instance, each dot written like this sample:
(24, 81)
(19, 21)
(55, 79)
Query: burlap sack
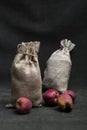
(25, 72)
(58, 68)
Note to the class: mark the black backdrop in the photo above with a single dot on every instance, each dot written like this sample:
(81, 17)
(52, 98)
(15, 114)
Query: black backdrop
(47, 21)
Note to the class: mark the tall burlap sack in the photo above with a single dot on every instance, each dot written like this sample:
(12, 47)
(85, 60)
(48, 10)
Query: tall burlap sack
(25, 73)
(58, 67)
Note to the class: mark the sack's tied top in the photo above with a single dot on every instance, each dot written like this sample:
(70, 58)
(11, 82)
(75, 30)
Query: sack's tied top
(28, 48)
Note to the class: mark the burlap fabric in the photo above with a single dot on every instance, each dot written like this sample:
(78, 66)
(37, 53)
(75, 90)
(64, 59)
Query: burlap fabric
(25, 73)
(58, 67)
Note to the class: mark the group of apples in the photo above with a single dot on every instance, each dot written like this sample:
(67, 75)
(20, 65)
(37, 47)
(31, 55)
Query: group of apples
(65, 100)
(51, 97)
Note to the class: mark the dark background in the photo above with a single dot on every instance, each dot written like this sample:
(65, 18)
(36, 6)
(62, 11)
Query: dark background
(47, 21)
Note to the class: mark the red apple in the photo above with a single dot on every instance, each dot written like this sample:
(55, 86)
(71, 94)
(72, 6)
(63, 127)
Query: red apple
(72, 94)
(65, 102)
(23, 105)
(50, 97)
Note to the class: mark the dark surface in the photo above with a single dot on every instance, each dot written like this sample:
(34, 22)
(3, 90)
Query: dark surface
(48, 22)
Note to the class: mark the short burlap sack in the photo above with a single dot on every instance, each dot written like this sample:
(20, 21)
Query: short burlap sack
(25, 73)
(58, 67)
